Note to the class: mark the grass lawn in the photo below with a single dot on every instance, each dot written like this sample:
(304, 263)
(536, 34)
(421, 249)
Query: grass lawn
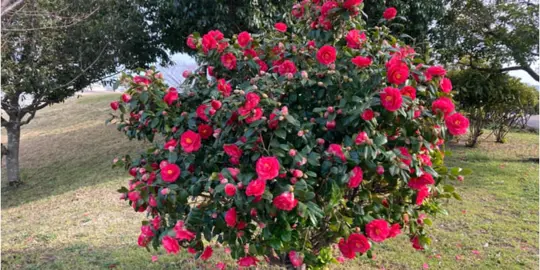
(67, 215)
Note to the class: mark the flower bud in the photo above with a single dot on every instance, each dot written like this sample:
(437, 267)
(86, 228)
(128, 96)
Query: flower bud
(186, 73)
(304, 74)
(331, 125)
(321, 84)
(300, 133)
(165, 191)
(320, 141)
(460, 178)
(297, 173)
(380, 170)
(293, 180)
(292, 152)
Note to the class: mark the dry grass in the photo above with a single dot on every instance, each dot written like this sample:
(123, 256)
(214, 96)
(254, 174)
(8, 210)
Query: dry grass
(67, 214)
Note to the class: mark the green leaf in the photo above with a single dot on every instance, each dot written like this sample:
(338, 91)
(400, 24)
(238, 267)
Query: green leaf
(292, 120)
(281, 133)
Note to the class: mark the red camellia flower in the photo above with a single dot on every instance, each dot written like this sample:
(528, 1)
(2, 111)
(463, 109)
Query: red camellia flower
(273, 121)
(208, 43)
(182, 233)
(267, 168)
(443, 105)
(436, 71)
(257, 114)
(243, 39)
(457, 124)
(126, 97)
(446, 85)
(170, 143)
(247, 261)
(140, 80)
(356, 177)
(170, 173)
(281, 27)
(230, 189)
(416, 243)
(229, 61)
(232, 150)
(335, 149)
(190, 141)
(345, 249)
(355, 39)
(287, 67)
(207, 253)
(252, 100)
(298, 10)
(327, 7)
(362, 62)
(378, 230)
(205, 131)
(397, 72)
(295, 258)
(409, 91)
(390, 13)
(326, 55)
(216, 104)
(201, 112)
(230, 217)
(115, 105)
(420, 182)
(395, 230)
(224, 87)
(191, 42)
(256, 188)
(262, 65)
(170, 244)
(391, 99)
(358, 243)
(368, 114)
(171, 96)
(421, 195)
(407, 158)
(351, 4)
(285, 201)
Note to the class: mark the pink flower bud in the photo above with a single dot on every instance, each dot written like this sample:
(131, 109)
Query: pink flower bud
(331, 125)
(115, 161)
(304, 74)
(361, 138)
(163, 163)
(262, 225)
(294, 180)
(326, 114)
(253, 212)
(380, 170)
(292, 152)
(340, 111)
(217, 131)
(284, 110)
(240, 234)
(186, 73)
(330, 109)
(460, 178)
(332, 66)
(165, 191)
(297, 173)
(320, 141)
(223, 181)
(214, 215)
(290, 76)
(300, 133)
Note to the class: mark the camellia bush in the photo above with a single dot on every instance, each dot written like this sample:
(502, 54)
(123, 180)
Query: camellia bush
(304, 145)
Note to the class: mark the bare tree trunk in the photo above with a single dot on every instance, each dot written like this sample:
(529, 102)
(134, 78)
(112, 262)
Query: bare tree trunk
(12, 155)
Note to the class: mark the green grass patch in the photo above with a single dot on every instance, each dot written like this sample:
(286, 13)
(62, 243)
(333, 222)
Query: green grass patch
(67, 215)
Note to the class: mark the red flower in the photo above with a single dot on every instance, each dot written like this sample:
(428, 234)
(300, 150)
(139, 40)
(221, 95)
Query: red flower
(421, 195)
(256, 188)
(115, 105)
(231, 217)
(351, 4)
(345, 249)
(205, 131)
(397, 72)
(262, 65)
(287, 67)
(252, 100)
(224, 87)
(395, 230)
(208, 43)
(134, 196)
(216, 104)
(335, 149)
(390, 13)
(391, 99)
(326, 55)
(416, 243)
(407, 159)
(250, 53)
(378, 230)
(171, 96)
(361, 138)
(285, 201)
(420, 182)
(356, 177)
(170, 143)
(229, 61)
(368, 114)
(182, 233)
(247, 261)
(232, 150)
(355, 39)
(243, 39)
(295, 258)
(257, 114)
(409, 91)
(126, 97)
(170, 173)
(201, 112)
(444, 105)
(267, 168)
(191, 42)
(211, 71)
(298, 10)
(446, 85)
(425, 159)
(207, 253)
(190, 141)
(457, 124)
(140, 80)
(436, 71)
(272, 121)
(362, 62)
(216, 34)
(230, 189)
(358, 243)
(170, 244)
(327, 7)
(281, 27)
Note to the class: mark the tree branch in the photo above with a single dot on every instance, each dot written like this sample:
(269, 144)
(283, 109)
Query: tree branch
(527, 69)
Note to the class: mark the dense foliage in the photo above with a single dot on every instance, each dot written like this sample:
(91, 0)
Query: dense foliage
(286, 142)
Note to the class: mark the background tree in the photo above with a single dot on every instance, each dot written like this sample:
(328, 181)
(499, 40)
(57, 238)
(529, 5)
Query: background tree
(501, 34)
(50, 50)
(173, 20)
